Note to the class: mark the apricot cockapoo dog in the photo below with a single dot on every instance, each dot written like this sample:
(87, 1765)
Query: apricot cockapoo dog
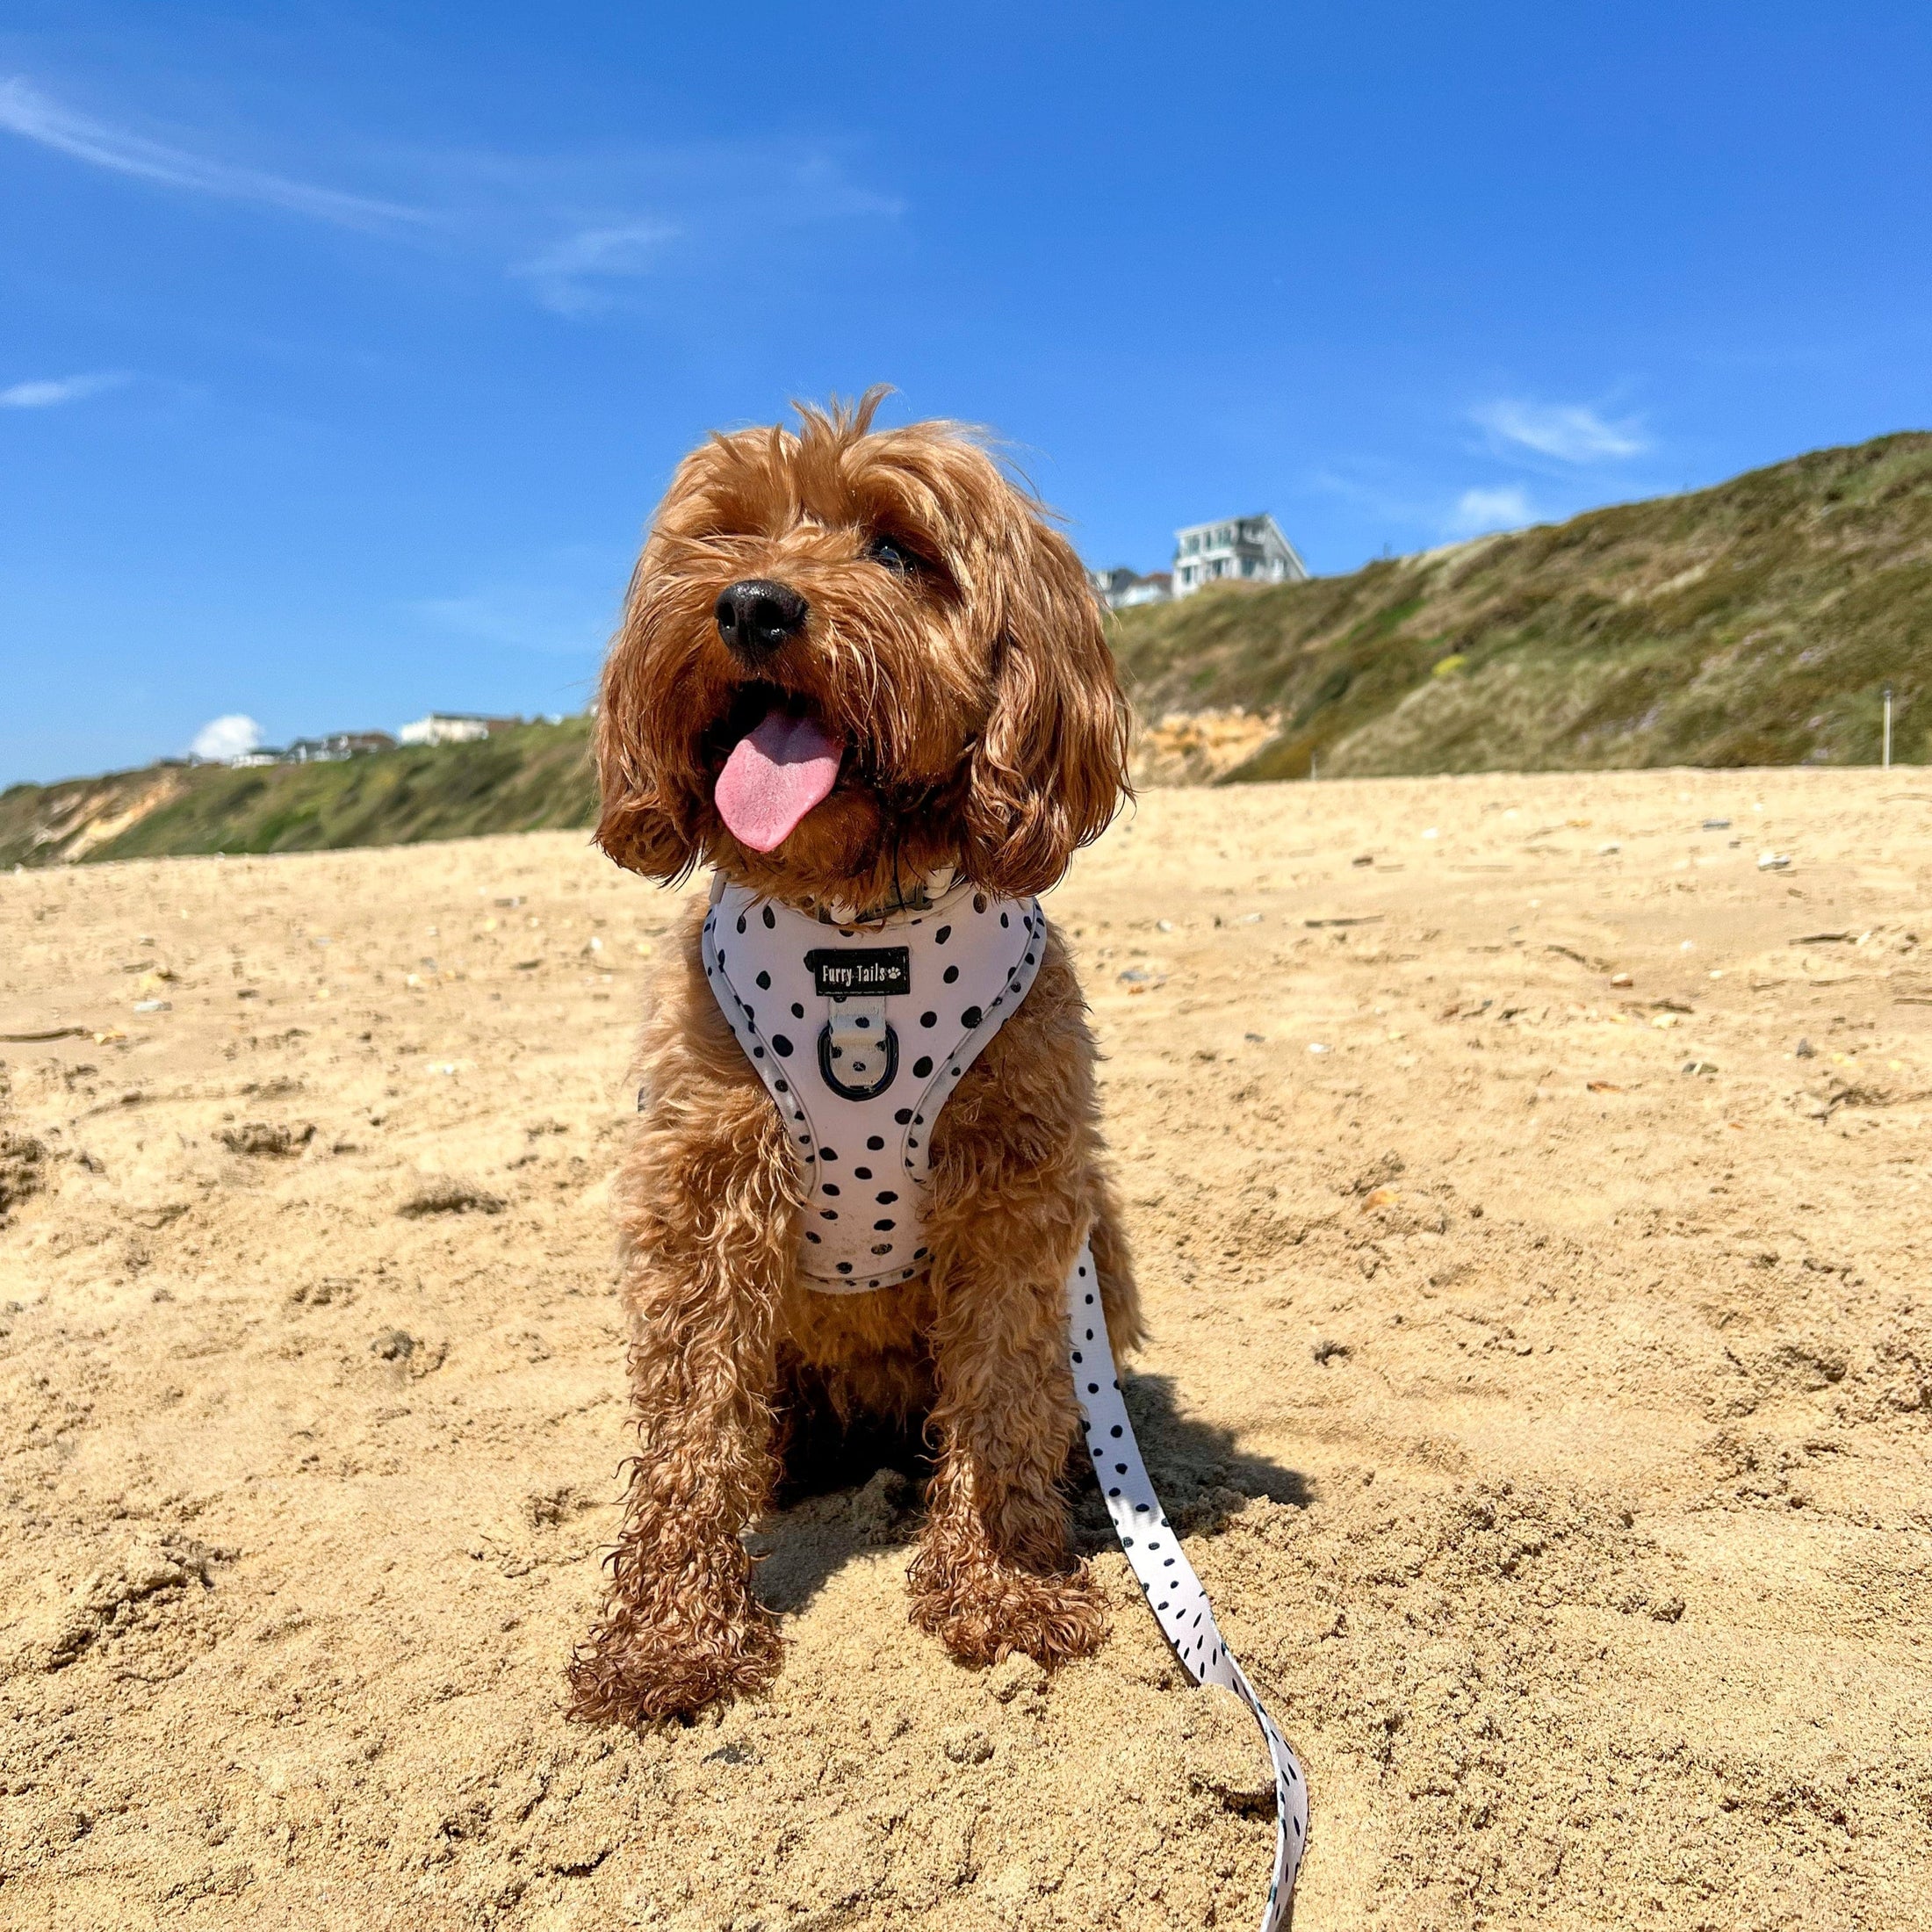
(861, 678)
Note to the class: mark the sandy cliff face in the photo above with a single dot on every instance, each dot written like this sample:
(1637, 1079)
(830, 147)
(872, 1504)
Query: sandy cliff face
(1528, 1180)
(77, 820)
(1197, 747)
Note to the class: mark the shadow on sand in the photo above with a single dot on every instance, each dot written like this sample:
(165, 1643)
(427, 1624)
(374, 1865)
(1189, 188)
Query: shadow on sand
(846, 1492)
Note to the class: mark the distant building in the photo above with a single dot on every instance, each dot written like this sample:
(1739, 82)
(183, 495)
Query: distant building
(453, 728)
(336, 745)
(1239, 550)
(1120, 588)
(263, 754)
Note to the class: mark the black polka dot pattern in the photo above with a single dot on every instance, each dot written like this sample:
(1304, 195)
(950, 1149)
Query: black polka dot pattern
(990, 953)
(1167, 1580)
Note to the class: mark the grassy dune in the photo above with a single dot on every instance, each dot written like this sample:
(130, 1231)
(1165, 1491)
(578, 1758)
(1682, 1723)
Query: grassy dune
(535, 777)
(1753, 623)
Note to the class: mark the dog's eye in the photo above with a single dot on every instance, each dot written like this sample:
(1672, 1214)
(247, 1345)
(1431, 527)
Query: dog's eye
(894, 555)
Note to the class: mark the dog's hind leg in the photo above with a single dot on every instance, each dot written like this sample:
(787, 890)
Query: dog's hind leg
(995, 1573)
(707, 1213)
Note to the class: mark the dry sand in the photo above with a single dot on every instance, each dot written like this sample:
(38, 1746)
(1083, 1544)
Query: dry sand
(1551, 1421)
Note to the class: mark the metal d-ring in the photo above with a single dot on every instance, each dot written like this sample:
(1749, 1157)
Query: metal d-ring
(890, 1045)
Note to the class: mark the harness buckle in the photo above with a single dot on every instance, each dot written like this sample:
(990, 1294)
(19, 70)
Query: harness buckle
(858, 1049)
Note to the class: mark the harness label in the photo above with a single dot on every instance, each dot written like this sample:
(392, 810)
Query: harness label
(860, 969)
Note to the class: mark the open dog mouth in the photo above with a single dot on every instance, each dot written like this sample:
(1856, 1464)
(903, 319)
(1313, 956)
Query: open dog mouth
(780, 761)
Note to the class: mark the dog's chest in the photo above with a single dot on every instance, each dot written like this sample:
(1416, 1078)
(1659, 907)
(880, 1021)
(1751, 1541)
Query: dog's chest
(861, 1033)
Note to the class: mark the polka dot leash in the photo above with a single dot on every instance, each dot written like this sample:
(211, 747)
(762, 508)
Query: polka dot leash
(1167, 1580)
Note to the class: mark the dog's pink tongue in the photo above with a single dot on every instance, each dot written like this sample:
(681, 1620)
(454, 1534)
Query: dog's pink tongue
(774, 775)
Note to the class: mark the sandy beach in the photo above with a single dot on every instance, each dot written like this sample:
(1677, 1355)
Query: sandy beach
(1528, 1182)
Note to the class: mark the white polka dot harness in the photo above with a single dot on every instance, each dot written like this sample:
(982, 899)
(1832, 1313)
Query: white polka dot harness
(861, 1032)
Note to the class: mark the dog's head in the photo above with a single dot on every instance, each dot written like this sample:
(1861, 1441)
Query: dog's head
(852, 658)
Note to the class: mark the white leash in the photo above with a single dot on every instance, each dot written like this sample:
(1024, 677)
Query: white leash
(1167, 1579)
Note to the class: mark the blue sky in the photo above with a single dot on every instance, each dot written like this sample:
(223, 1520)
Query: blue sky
(344, 349)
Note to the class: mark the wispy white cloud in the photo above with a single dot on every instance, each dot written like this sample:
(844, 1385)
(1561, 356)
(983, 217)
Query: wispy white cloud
(1507, 508)
(25, 111)
(602, 222)
(51, 393)
(569, 276)
(1570, 432)
(577, 231)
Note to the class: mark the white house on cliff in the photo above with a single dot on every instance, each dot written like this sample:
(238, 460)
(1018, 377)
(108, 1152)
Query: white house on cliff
(1242, 549)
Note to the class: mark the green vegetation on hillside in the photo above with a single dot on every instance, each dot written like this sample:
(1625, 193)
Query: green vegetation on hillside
(531, 778)
(1753, 623)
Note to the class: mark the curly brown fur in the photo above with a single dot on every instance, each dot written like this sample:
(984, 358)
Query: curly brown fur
(984, 731)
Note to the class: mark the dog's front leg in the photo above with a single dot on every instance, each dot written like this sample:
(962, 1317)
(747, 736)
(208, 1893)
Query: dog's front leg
(995, 1574)
(705, 1213)
(681, 1628)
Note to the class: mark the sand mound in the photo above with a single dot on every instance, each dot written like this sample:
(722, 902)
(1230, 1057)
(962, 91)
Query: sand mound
(1528, 1180)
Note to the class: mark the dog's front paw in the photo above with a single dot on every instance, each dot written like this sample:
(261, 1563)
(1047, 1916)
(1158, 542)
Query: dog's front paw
(631, 1672)
(985, 1613)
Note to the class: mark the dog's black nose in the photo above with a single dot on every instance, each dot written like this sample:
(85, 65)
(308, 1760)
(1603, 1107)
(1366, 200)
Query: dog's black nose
(755, 617)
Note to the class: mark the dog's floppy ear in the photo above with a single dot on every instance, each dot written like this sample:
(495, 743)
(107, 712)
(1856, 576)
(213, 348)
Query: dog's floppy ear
(637, 824)
(1049, 769)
